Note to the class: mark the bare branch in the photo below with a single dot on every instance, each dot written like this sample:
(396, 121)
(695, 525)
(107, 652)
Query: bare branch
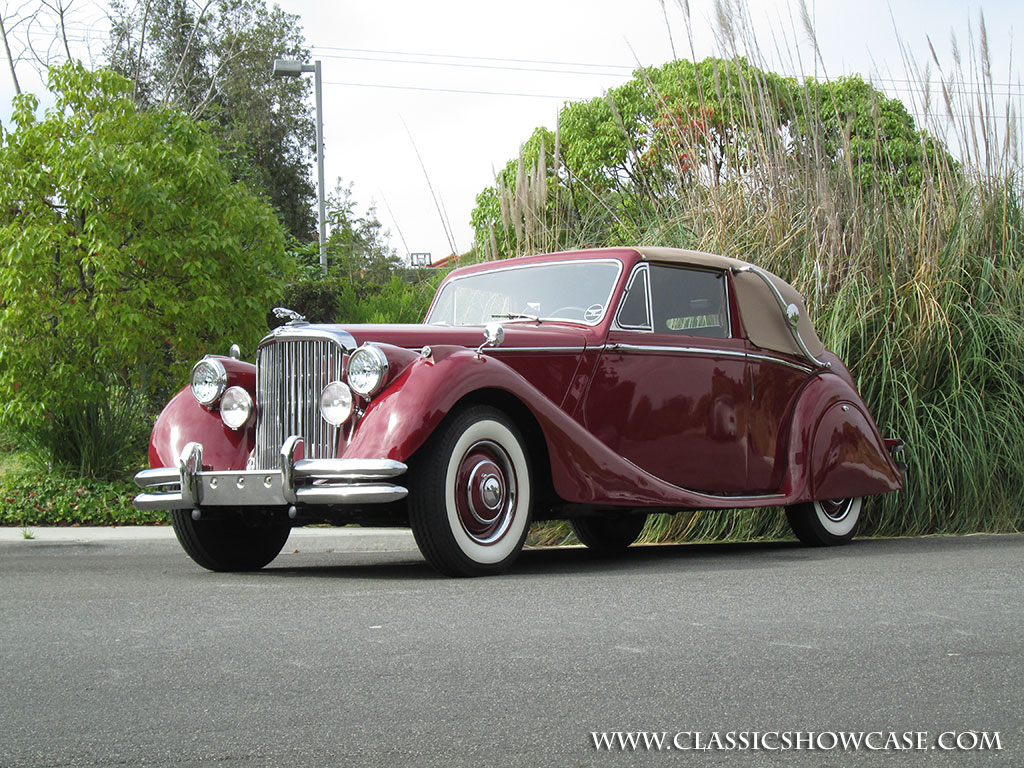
(10, 59)
(188, 47)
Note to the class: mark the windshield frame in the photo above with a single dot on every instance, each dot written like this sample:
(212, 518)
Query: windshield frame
(613, 285)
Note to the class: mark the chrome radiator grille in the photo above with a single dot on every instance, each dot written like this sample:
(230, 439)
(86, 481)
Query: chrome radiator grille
(290, 375)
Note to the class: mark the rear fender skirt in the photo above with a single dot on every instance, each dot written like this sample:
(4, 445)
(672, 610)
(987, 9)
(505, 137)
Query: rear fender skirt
(835, 449)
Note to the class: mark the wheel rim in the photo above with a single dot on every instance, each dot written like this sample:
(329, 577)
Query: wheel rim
(836, 510)
(485, 492)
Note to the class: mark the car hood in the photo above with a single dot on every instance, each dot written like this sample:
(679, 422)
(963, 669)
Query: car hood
(517, 335)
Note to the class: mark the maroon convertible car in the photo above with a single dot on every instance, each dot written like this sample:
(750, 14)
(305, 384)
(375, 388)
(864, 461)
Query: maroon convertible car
(594, 386)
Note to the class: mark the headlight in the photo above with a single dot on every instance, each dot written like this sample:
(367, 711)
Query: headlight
(235, 407)
(367, 369)
(208, 381)
(336, 403)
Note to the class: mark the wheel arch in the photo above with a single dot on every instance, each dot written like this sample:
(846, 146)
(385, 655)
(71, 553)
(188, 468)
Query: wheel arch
(835, 448)
(536, 443)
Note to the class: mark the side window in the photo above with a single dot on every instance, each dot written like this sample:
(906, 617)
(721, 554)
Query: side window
(634, 313)
(689, 302)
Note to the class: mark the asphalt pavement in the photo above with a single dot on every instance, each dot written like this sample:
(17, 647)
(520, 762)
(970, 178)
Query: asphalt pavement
(116, 649)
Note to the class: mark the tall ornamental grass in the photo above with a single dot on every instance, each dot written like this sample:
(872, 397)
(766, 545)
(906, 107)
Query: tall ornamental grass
(910, 254)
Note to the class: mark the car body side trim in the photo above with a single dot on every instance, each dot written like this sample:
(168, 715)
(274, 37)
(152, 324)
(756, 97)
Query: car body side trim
(709, 351)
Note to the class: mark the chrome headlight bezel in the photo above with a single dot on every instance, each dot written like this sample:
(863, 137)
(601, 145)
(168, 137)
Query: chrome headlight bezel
(208, 381)
(367, 370)
(336, 403)
(235, 407)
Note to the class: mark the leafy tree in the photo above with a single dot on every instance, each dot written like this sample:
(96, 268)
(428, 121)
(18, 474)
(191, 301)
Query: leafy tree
(365, 281)
(357, 247)
(126, 251)
(620, 162)
(859, 130)
(214, 62)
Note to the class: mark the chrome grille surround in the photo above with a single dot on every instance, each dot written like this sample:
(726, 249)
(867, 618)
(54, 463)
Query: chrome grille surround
(293, 365)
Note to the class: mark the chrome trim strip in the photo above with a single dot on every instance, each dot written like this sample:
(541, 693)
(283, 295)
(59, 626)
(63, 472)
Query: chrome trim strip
(640, 272)
(684, 350)
(537, 349)
(611, 291)
(790, 312)
(780, 361)
(707, 351)
(338, 335)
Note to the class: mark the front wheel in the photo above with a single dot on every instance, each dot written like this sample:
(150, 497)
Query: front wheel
(228, 544)
(470, 494)
(827, 522)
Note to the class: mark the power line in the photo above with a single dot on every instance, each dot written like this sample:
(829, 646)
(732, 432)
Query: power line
(472, 66)
(454, 90)
(476, 58)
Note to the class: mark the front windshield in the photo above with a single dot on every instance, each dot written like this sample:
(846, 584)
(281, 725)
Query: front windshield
(577, 291)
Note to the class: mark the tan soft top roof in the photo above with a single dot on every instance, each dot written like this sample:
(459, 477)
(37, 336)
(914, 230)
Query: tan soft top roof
(763, 319)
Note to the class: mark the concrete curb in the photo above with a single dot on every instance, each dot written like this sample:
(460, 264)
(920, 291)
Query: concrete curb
(301, 539)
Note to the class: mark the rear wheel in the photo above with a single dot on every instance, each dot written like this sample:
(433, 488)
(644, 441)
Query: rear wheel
(470, 494)
(228, 544)
(608, 534)
(827, 522)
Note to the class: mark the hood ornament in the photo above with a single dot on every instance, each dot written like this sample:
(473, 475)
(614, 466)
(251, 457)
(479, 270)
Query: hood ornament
(293, 317)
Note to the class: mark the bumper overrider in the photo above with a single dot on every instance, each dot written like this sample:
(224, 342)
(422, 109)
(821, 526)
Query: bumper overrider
(315, 482)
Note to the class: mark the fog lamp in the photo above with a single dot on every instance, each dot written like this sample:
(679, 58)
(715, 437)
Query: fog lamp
(336, 403)
(235, 407)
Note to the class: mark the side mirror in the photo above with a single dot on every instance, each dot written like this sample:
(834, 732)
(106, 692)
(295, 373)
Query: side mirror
(494, 336)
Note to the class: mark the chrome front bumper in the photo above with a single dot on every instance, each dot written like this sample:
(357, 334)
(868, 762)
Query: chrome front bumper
(307, 481)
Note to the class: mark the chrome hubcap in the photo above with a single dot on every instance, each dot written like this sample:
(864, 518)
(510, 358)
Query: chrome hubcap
(486, 492)
(836, 510)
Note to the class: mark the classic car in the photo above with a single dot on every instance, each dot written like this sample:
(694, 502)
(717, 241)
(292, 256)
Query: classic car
(596, 386)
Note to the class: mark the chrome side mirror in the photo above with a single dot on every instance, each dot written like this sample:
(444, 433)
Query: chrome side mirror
(494, 336)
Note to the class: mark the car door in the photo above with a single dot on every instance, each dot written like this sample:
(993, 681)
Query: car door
(670, 391)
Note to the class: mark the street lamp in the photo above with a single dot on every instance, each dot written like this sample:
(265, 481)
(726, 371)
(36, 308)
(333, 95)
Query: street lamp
(288, 68)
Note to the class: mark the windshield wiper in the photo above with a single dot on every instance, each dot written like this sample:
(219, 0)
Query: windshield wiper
(517, 316)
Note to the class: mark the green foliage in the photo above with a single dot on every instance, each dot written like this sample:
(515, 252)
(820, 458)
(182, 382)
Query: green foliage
(365, 282)
(861, 132)
(214, 63)
(126, 252)
(95, 439)
(357, 247)
(912, 263)
(619, 163)
(338, 300)
(35, 498)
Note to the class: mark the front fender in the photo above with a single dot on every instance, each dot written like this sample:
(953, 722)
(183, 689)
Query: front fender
(836, 451)
(183, 421)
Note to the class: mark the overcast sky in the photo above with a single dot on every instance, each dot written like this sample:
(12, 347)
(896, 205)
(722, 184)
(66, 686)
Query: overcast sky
(464, 82)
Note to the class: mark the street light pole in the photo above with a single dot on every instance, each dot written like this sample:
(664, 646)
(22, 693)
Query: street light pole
(289, 68)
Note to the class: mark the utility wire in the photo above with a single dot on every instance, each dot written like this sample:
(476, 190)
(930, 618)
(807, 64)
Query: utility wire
(454, 90)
